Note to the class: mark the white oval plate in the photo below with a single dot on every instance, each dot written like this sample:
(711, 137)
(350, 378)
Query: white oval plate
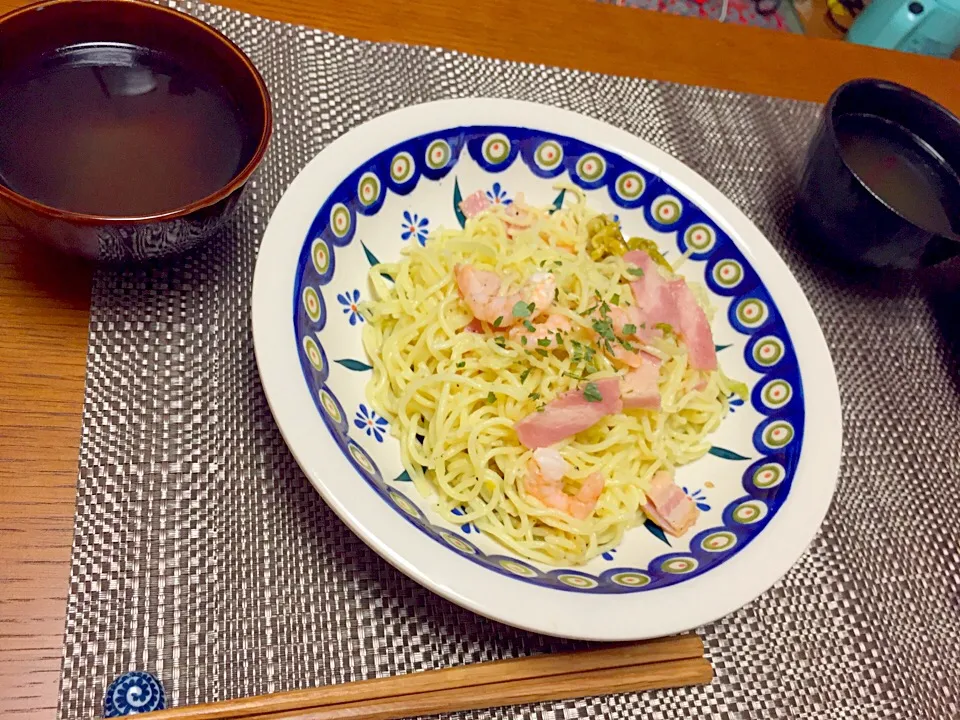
(765, 486)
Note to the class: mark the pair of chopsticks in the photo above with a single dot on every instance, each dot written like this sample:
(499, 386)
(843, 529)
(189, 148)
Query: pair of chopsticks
(650, 665)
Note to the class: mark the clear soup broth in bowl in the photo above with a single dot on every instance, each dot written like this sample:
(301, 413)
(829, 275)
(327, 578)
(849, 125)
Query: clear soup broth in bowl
(116, 129)
(127, 130)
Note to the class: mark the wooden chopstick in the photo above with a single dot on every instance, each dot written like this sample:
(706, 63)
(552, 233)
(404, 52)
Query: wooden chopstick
(665, 662)
(559, 687)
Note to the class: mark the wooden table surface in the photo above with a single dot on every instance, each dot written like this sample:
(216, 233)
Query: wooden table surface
(44, 298)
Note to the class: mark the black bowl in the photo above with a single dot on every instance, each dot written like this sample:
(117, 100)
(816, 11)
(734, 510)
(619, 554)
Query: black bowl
(849, 221)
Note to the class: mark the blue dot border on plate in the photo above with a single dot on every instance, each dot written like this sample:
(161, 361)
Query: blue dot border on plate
(777, 395)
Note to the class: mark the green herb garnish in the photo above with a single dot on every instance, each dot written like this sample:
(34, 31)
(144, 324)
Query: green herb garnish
(521, 310)
(500, 341)
(544, 342)
(542, 353)
(615, 300)
(577, 354)
(461, 364)
(496, 323)
(629, 329)
(491, 398)
(529, 326)
(592, 393)
(604, 328)
(588, 356)
(638, 272)
(534, 396)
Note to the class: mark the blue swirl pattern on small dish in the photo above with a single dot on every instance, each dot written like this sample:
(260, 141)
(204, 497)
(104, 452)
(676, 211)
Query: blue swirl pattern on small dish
(133, 693)
(777, 395)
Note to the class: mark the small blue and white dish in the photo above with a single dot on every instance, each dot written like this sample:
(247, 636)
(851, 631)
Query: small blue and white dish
(133, 693)
(764, 487)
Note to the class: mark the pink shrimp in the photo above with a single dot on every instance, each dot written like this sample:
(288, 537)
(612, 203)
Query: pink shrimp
(546, 330)
(518, 216)
(544, 481)
(630, 358)
(479, 290)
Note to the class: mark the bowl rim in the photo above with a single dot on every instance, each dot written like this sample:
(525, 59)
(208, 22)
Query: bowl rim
(238, 180)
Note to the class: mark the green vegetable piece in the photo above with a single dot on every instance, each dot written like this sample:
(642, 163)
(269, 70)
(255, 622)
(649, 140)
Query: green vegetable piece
(651, 249)
(604, 238)
(739, 389)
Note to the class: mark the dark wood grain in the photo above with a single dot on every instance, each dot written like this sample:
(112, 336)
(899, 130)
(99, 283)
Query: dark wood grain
(44, 298)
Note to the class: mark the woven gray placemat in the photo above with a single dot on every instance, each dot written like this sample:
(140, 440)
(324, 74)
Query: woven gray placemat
(202, 554)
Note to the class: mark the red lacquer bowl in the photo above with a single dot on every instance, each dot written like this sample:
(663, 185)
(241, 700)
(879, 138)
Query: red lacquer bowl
(43, 28)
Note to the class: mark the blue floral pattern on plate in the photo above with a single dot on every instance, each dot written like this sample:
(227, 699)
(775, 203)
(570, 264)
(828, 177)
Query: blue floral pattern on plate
(414, 226)
(466, 527)
(498, 196)
(699, 498)
(349, 300)
(765, 344)
(370, 423)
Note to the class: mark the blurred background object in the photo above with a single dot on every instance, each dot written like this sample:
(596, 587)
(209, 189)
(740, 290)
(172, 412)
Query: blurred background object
(927, 27)
(771, 14)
